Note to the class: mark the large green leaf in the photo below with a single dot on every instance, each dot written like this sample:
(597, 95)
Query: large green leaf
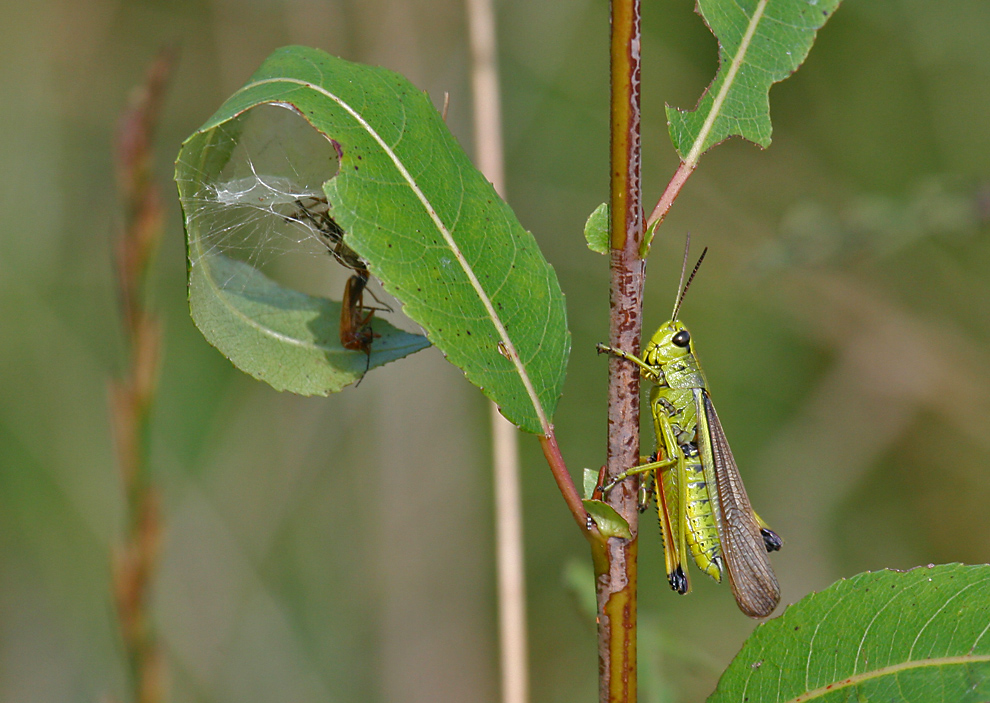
(429, 225)
(760, 43)
(921, 636)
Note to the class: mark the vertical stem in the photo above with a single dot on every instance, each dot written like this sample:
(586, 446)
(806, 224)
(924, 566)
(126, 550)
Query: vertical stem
(505, 445)
(514, 655)
(617, 578)
(132, 397)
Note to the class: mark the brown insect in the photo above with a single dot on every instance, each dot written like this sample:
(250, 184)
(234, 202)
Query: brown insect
(356, 333)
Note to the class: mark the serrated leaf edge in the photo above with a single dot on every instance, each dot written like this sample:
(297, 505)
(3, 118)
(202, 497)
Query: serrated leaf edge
(510, 350)
(697, 149)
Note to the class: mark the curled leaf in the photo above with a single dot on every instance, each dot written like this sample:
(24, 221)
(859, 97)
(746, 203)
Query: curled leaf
(411, 207)
(609, 522)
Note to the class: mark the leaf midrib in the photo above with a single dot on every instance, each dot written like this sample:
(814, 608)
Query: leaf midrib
(510, 348)
(709, 124)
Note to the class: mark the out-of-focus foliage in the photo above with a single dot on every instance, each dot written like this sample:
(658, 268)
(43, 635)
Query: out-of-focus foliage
(850, 374)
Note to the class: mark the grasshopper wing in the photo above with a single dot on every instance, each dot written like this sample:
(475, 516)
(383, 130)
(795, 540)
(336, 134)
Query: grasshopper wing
(752, 579)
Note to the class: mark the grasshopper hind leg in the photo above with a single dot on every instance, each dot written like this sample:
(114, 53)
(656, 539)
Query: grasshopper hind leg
(771, 540)
(678, 580)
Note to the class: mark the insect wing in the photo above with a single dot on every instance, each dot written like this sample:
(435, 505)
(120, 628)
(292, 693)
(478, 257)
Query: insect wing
(752, 579)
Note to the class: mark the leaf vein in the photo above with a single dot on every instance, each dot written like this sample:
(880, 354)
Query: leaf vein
(445, 232)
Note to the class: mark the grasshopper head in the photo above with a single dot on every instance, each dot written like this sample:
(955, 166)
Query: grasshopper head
(669, 343)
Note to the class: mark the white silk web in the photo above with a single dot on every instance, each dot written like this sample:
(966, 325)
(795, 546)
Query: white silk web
(267, 207)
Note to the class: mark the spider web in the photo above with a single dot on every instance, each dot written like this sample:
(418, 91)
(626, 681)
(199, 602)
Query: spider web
(266, 206)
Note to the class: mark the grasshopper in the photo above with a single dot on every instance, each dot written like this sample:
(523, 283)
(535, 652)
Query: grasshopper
(701, 501)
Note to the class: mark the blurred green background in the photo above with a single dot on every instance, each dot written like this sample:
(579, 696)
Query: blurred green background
(341, 548)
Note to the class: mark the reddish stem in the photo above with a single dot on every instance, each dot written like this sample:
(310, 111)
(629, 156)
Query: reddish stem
(616, 572)
(671, 192)
(564, 481)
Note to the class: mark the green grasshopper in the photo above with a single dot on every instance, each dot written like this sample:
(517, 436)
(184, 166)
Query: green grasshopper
(700, 498)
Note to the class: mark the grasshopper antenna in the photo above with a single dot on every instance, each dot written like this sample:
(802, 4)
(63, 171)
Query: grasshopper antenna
(683, 291)
(680, 284)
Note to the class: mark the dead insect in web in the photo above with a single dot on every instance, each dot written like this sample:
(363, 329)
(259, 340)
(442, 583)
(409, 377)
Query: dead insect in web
(356, 333)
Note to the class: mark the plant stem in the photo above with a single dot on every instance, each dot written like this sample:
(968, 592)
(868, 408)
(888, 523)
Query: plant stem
(132, 397)
(670, 193)
(564, 481)
(616, 574)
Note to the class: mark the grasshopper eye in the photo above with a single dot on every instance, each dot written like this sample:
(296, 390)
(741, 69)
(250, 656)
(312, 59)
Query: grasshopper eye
(682, 338)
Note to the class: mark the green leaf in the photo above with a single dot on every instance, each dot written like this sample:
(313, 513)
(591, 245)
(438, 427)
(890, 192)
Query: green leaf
(609, 522)
(760, 43)
(253, 320)
(919, 636)
(430, 227)
(596, 230)
(589, 482)
(651, 230)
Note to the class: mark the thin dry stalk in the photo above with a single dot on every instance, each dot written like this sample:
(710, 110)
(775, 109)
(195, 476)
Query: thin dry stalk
(505, 446)
(132, 395)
